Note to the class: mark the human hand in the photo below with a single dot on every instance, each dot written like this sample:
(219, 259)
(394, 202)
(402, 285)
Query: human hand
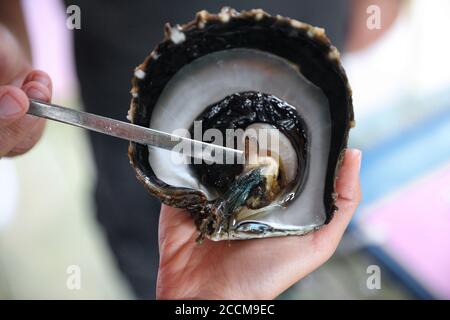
(250, 269)
(19, 82)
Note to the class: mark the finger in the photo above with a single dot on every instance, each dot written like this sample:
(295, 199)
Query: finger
(349, 196)
(348, 177)
(20, 132)
(34, 90)
(13, 105)
(37, 85)
(37, 90)
(40, 77)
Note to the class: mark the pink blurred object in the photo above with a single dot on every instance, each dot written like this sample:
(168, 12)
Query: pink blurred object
(51, 42)
(415, 232)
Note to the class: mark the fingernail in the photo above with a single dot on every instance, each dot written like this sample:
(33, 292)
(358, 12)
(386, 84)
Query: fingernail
(35, 94)
(43, 80)
(9, 107)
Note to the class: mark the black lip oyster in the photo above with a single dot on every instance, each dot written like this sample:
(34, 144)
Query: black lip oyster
(302, 46)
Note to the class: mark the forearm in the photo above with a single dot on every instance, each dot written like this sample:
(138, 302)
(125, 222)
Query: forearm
(11, 17)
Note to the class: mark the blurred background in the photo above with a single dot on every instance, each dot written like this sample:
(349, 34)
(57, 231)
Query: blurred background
(400, 76)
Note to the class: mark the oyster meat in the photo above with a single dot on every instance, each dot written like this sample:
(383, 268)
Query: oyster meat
(252, 73)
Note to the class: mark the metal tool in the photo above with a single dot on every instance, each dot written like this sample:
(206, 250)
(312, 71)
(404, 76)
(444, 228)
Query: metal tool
(128, 131)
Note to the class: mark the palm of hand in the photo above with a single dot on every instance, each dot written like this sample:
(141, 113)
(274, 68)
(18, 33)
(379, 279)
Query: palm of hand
(251, 269)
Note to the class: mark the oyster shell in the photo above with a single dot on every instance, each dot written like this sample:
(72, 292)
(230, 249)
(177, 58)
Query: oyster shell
(246, 70)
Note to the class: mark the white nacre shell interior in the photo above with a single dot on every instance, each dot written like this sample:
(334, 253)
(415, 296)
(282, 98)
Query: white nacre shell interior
(211, 78)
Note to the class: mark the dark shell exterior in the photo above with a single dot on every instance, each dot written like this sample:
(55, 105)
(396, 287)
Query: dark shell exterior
(305, 46)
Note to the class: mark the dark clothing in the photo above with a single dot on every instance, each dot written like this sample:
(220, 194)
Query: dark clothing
(115, 37)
